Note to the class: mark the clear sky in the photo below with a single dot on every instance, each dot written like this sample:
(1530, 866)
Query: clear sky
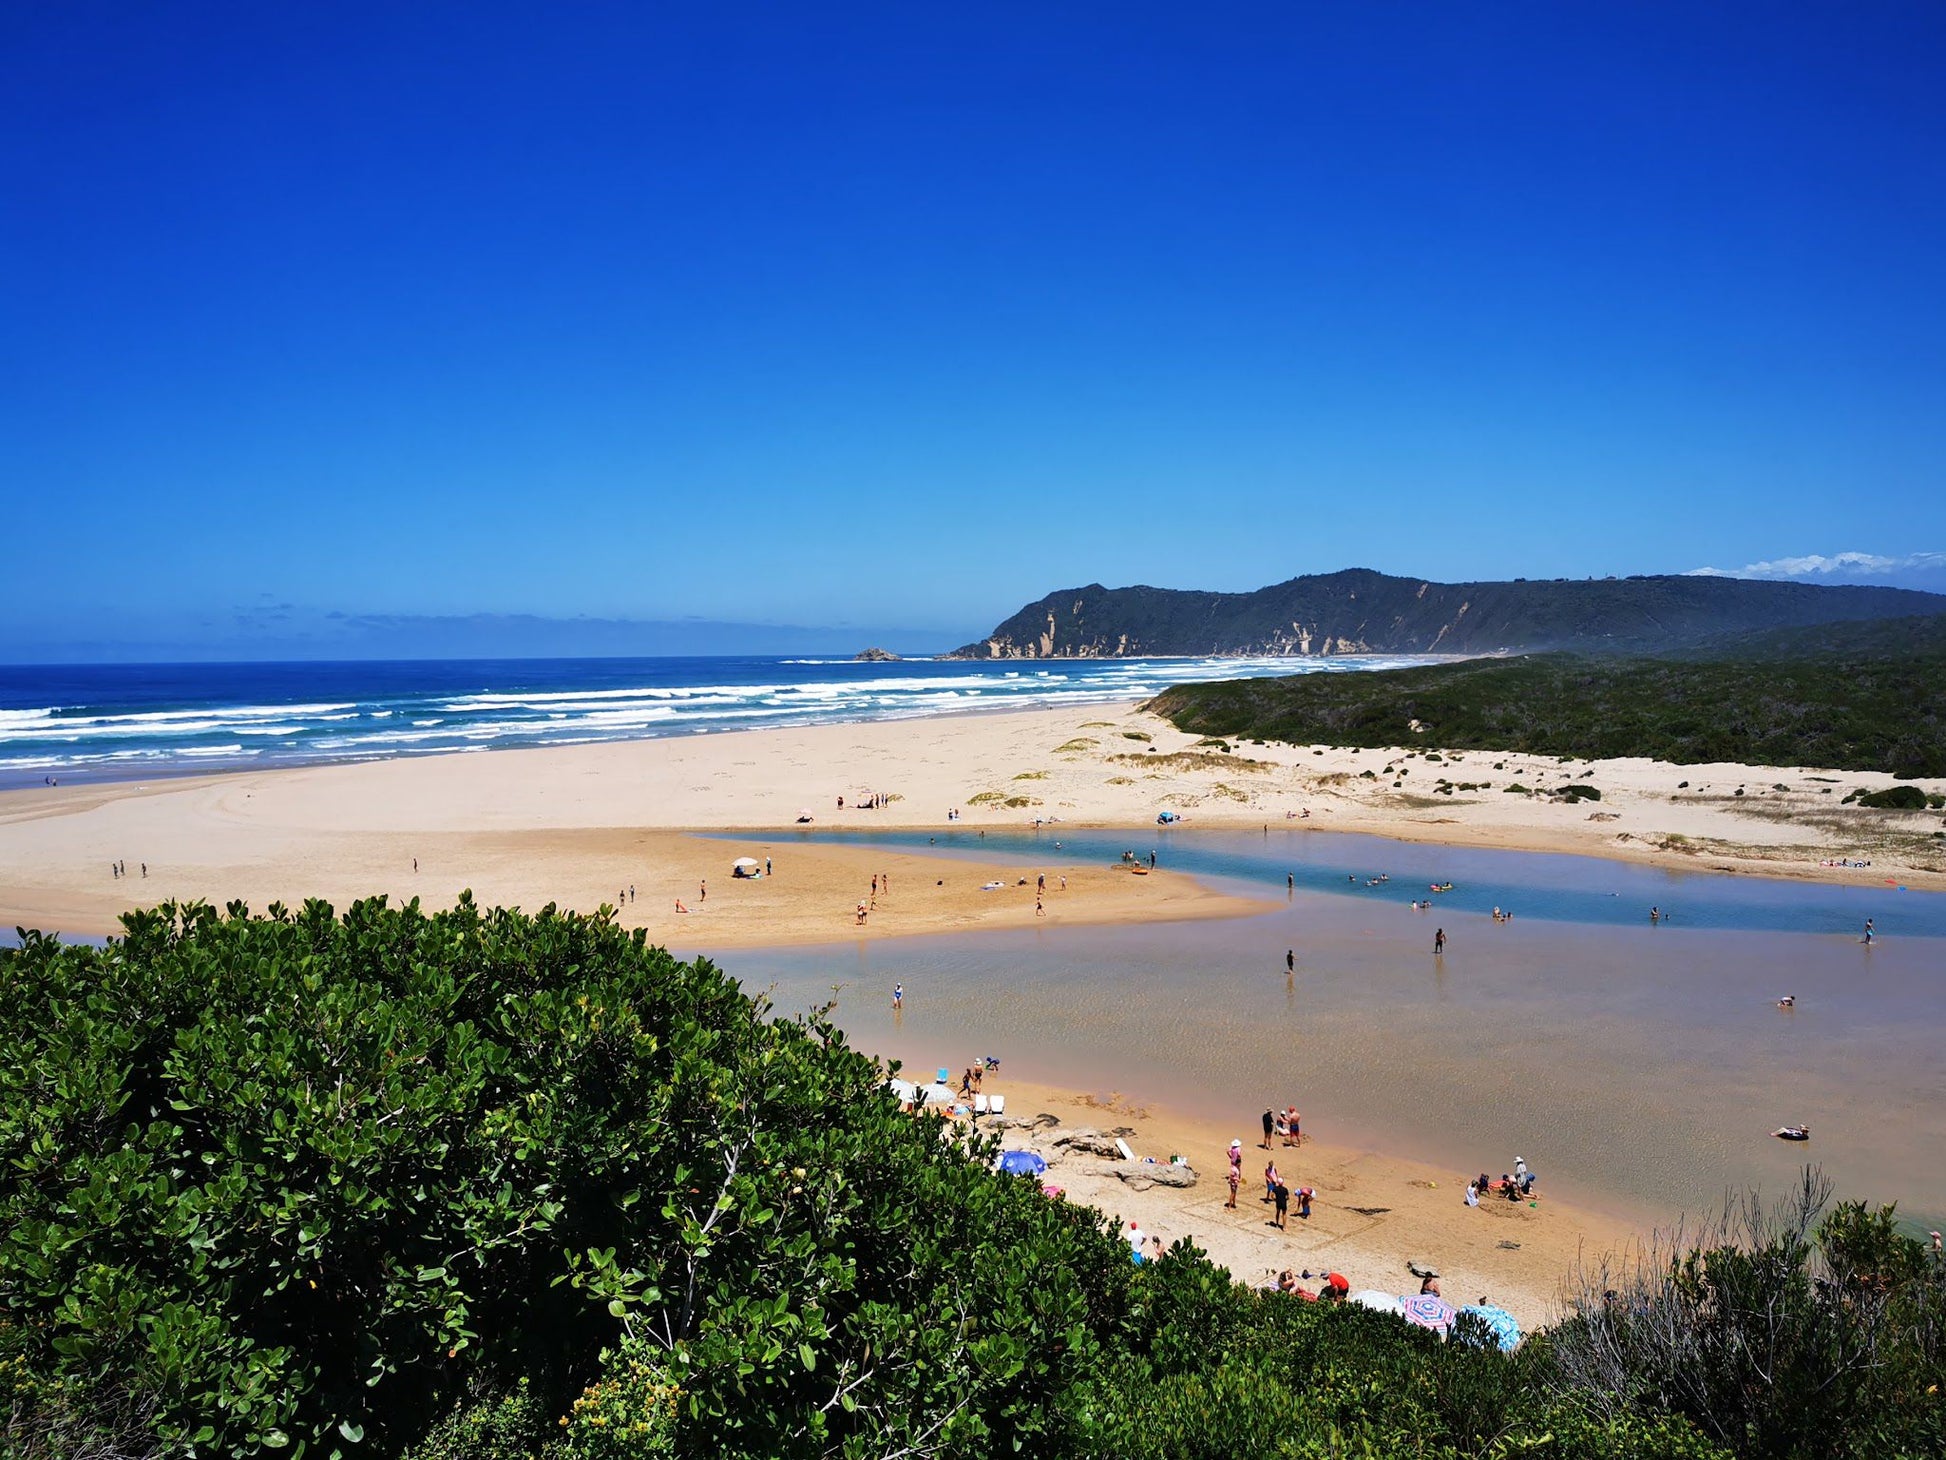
(903, 315)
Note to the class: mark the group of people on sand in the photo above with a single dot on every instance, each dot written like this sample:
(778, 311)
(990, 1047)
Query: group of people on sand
(1285, 1127)
(1515, 1186)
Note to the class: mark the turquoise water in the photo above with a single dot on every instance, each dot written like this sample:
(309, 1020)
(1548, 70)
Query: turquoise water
(1593, 890)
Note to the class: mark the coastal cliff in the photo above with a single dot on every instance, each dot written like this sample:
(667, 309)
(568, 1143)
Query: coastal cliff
(1359, 611)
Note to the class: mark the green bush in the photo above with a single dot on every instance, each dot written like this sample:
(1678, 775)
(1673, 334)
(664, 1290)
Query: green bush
(1895, 798)
(305, 1183)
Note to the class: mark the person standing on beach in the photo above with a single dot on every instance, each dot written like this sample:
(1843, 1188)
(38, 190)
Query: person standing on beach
(1152, 859)
(1290, 960)
(702, 892)
(1040, 908)
(1292, 1122)
(1270, 1124)
(1281, 1194)
(1868, 921)
(1290, 882)
(898, 996)
(1439, 942)
(1236, 1174)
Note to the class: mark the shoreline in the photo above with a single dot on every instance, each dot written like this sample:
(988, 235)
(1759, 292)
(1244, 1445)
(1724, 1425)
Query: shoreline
(589, 818)
(1373, 1213)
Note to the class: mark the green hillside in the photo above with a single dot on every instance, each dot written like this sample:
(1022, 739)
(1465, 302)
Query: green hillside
(1358, 611)
(1871, 697)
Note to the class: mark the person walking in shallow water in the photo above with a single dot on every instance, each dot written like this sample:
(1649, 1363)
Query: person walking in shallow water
(1439, 942)
(1290, 960)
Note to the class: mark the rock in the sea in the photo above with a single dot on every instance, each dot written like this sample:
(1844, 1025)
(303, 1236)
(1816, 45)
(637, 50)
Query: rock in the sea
(876, 656)
(1142, 1176)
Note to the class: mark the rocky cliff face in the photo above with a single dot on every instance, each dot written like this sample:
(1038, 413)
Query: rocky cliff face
(1363, 612)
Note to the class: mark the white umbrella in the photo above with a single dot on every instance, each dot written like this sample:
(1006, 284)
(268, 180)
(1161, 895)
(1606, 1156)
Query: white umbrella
(746, 867)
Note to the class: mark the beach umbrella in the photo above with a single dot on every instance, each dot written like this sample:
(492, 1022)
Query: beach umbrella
(1378, 1302)
(1022, 1163)
(745, 867)
(904, 1090)
(1428, 1310)
(1499, 1325)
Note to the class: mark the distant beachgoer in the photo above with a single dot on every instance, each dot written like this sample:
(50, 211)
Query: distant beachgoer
(415, 864)
(1290, 881)
(1281, 1124)
(885, 882)
(631, 892)
(1155, 1249)
(1655, 914)
(1520, 1166)
(861, 914)
(1152, 867)
(1439, 941)
(1281, 1194)
(766, 866)
(1290, 960)
(1040, 908)
(1270, 1123)
(898, 995)
(1040, 883)
(1472, 1193)
(1236, 1181)
(702, 892)
(1304, 1195)
(1296, 1123)
(1271, 1180)
(679, 907)
(1868, 921)
(1431, 1285)
(1064, 884)
(1935, 1240)
(1789, 1001)
(841, 803)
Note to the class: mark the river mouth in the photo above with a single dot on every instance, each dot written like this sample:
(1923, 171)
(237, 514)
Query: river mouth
(1639, 1067)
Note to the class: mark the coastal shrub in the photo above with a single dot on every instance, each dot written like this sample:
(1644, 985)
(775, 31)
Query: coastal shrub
(1137, 735)
(1794, 1329)
(1516, 789)
(1580, 793)
(310, 1183)
(1885, 712)
(1895, 798)
(1076, 745)
(1030, 776)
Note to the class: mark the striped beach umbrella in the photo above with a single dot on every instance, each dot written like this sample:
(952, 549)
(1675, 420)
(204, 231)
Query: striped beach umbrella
(1428, 1310)
(1500, 1325)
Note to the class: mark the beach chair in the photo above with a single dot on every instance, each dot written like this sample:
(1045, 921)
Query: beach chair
(979, 1105)
(996, 1104)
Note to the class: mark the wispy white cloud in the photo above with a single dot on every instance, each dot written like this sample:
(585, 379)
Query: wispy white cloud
(1847, 566)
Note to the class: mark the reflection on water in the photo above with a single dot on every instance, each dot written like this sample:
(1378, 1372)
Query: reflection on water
(1639, 1068)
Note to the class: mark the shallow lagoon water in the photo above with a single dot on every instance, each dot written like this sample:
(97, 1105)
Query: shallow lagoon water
(1638, 1068)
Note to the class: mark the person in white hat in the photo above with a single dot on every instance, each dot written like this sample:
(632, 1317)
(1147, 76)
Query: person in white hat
(1236, 1174)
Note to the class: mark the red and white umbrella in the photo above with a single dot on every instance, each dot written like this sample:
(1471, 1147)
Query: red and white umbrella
(1428, 1310)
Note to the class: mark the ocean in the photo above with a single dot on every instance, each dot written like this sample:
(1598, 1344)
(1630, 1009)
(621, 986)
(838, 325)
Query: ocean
(123, 722)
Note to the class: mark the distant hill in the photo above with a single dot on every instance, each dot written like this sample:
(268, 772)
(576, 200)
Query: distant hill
(1857, 697)
(1363, 612)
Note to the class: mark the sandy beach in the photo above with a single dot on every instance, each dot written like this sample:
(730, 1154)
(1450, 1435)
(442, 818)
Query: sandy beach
(577, 825)
(645, 825)
(1372, 1214)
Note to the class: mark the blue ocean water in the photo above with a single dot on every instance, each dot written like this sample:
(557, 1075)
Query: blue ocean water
(132, 722)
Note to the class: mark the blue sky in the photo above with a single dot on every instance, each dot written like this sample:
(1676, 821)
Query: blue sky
(904, 315)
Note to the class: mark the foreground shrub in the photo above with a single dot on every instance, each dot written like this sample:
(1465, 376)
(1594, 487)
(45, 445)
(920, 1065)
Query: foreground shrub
(1776, 1333)
(304, 1183)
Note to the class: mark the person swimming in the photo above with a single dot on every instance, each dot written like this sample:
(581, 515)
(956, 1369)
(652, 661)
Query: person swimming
(1789, 1001)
